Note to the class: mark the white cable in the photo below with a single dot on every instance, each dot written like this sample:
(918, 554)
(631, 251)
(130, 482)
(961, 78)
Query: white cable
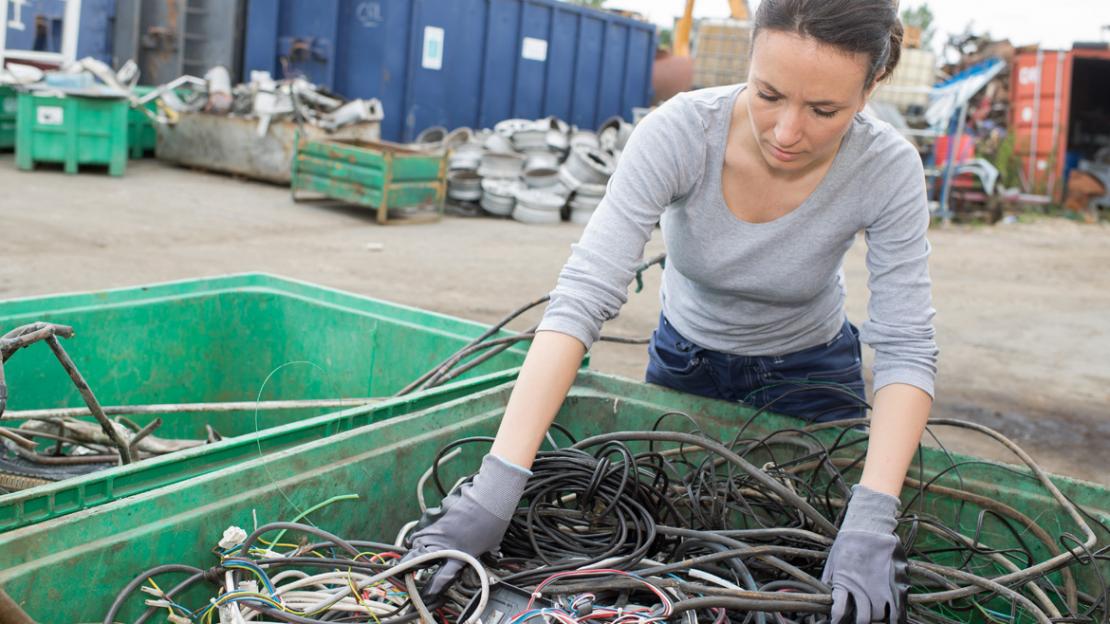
(281, 576)
(712, 578)
(319, 578)
(400, 541)
(417, 562)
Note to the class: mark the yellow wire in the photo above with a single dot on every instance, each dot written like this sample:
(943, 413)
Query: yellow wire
(155, 585)
(358, 598)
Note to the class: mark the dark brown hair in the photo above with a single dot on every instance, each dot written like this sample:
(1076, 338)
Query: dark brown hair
(870, 27)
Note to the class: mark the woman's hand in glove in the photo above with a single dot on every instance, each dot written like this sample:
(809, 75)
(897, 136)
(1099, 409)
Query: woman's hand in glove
(472, 518)
(866, 567)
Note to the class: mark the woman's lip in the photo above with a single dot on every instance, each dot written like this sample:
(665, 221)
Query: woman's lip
(782, 154)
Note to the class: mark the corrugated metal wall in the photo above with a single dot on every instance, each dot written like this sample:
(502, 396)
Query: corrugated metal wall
(1044, 97)
(1039, 92)
(168, 38)
(459, 62)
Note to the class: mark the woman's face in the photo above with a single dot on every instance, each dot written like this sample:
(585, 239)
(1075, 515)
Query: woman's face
(802, 95)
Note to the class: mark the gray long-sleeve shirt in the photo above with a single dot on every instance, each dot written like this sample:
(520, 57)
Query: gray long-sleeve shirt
(759, 288)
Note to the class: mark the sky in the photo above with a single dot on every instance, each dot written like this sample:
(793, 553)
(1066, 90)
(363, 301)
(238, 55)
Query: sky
(1055, 24)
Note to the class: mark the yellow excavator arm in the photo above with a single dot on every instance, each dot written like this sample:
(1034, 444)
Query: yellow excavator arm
(739, 9)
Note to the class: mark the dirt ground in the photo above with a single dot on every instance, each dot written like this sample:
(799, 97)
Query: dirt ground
(1023, 309)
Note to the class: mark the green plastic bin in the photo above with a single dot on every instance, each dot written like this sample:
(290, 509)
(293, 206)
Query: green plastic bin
(382, 462)
(235, 338)
(141, 135)
(72, 130)
(400, 182)
(9, 106)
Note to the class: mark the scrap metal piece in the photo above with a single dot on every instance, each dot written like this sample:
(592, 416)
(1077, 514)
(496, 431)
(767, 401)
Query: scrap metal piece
(467, 156)
(353, 112)
(586, 166)
(27, 335)
(464, 185)
(458, 138)
(499, 196)
(583, 138)
(541, 178)
(613, 133)
(505, 165)
(538, 206)
(219, 90)
(508, 127)
(495, 142)
(434, 134)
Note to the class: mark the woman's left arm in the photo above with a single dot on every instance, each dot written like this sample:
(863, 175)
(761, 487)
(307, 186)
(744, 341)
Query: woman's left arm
(865, 567)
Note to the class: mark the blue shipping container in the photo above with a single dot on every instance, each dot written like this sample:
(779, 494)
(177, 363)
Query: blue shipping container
(459, 62)
(36, 25)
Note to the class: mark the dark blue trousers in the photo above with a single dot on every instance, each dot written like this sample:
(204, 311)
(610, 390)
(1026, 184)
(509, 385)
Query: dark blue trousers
(818, 384)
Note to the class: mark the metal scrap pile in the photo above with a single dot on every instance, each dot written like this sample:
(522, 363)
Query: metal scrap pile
(265, 99)
(68, 447)
(534, 171)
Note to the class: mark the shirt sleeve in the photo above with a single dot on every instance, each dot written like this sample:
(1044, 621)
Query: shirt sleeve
(661, 161)
(900, 309)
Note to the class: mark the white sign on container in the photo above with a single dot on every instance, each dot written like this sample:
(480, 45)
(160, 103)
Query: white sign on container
(433, 48)
(50, 115)
(534, 49)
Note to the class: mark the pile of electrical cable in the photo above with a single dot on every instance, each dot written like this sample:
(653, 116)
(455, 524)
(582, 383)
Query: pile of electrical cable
(689, 529)
(652, 526)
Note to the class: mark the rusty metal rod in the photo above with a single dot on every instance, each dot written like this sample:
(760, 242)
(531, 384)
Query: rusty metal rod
(90, 398)
(174, 408)
(142, 433)
(18, 439)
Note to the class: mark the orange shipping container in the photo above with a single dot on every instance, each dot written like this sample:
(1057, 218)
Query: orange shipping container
(1060, 104)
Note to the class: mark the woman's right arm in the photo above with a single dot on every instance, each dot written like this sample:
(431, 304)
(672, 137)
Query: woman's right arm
(542, 386)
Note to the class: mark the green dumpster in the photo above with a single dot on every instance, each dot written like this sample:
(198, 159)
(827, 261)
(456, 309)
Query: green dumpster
(141, 135)
(9, 106)
(72, 130)
(242, 338)
(382, 462)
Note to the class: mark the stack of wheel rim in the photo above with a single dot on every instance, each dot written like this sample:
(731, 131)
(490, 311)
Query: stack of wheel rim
(541, 171)
(538, 206)
(499, 196)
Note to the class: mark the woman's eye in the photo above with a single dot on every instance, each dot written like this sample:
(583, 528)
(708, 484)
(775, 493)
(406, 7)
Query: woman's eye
(768, 97)
(824, 113)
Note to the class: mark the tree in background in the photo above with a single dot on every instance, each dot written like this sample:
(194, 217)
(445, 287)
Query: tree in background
(921, 17)
(666, 38)
(593, 4)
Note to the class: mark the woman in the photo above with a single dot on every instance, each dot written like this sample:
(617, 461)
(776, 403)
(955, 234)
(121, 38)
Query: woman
(760, 190)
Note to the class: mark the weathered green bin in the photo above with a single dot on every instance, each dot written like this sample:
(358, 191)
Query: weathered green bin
(402, 183)
(382, 463)
(9, 106)
(237, 338)
(71, 129)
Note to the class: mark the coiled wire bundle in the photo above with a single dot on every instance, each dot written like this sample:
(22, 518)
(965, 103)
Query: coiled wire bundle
(659, 525)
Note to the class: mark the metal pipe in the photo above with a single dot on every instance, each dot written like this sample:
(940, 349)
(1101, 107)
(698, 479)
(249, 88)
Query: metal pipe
(175, 408)
(950, 163)
(90, 398)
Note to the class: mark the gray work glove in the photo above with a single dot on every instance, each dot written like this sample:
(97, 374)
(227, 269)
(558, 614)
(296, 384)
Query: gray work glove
(472, 518)
(866, 567)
